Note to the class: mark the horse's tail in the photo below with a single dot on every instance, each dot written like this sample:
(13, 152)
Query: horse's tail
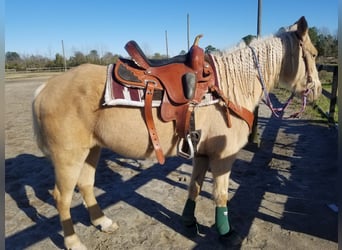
(37, 130)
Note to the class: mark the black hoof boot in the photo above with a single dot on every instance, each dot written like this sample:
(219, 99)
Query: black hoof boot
(231, 239)
(191, 230)
(190, 226)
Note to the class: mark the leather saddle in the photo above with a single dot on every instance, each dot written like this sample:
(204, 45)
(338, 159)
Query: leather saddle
(184, 80)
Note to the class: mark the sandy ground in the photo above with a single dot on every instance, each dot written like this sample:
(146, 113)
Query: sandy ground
(279, 194)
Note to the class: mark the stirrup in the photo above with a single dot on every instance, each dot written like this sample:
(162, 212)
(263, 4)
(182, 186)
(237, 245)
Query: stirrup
(183, 145)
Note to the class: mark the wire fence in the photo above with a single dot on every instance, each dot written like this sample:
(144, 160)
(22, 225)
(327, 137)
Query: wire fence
(37, 70)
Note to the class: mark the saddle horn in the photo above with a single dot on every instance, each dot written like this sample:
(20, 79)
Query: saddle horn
(196, 41)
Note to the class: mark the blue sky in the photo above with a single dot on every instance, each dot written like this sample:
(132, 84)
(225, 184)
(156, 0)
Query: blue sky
(39, 26)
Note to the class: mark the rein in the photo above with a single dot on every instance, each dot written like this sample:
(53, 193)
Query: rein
(279, 112)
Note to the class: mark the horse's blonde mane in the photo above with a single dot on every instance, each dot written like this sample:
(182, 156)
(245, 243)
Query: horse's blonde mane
(236, 71)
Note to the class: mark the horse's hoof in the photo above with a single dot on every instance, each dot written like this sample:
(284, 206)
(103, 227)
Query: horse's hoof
(78, 247)
(105, 224)
(231, 239)
(111, 228)
(191, 231)
(73, 243)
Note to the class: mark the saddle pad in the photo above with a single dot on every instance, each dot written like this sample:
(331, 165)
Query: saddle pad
(117, 94)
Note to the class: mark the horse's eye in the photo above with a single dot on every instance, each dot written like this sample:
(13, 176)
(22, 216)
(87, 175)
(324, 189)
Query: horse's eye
(314, 55)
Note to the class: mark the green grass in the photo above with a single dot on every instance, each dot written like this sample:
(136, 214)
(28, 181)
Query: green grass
(317, 110)
(323, 103)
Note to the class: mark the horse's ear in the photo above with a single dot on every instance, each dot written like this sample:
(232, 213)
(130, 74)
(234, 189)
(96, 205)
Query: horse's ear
(302, 27)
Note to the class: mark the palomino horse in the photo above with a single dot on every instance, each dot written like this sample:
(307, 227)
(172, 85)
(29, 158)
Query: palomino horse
(72, 126)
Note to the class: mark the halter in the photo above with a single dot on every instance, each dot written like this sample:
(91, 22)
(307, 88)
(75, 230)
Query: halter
(279, 112)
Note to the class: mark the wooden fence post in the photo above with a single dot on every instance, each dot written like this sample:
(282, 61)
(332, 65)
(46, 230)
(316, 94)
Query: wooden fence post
(333, 100)
(253, 138)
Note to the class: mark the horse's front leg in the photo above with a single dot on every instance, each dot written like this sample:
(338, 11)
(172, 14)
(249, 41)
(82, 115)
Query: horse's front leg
(221, 170)
(200, 167)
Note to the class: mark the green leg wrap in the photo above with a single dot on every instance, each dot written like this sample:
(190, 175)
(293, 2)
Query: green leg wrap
(221, 219)
(188, 215)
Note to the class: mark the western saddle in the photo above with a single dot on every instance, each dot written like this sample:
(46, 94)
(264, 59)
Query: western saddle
(184, 79)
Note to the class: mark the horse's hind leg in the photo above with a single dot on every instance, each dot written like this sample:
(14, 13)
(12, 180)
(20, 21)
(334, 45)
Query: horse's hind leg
(85, 185)
(68, 165)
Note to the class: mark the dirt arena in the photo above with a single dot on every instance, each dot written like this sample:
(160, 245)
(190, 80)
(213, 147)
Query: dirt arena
(282, 195)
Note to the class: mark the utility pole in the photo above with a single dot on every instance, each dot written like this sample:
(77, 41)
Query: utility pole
(167, 45)
(64, 56)
(253, 137)
(259, 18)
(188, 30)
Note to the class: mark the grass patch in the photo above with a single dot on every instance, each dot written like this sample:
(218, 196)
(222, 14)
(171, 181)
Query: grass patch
(316, 111)
(323, 103)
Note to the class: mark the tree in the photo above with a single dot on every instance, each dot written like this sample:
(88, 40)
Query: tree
(158, 56)
(78, 59)
(183, 52)
(248, 39)
(210, 49)
(93, 57)
(59, 60)
(313, 33)
(325, 43)
(109, 58)
(12, 56)
(35, 61)
(13, 61)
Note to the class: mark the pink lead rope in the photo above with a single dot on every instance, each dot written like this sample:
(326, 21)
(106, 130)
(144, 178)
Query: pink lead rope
(277, 112)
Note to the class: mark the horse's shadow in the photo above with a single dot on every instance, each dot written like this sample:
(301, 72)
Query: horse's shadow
(29, 175)
(309, 183)
(23, 173)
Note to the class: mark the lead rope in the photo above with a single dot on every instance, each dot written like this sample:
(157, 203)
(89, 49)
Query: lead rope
(277, 112)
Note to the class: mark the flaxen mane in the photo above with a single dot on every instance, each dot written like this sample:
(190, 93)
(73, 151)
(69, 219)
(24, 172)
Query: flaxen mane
(236, 68)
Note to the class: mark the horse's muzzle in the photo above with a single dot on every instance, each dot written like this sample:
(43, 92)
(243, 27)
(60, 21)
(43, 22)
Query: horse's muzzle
(313, 92)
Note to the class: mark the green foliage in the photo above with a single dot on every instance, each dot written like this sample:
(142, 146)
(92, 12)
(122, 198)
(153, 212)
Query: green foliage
(323, 103)
(12, 56)
(210, 49)
(93, 57)
(109, 58)
(59, 60)
(77, 59)
(313, 33)
(158, 56)
(183, 52)
(13, 60)
(248, 39)
(325, 43)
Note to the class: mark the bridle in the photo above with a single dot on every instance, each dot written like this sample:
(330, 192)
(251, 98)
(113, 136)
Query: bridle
(279, 112)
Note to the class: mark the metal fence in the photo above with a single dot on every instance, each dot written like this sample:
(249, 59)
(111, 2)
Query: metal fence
(37, 70)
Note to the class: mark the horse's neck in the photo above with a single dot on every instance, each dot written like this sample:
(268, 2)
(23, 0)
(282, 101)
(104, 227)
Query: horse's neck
(238, 76)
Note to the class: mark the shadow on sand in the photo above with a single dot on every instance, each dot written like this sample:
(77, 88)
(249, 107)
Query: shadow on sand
(309, 184)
